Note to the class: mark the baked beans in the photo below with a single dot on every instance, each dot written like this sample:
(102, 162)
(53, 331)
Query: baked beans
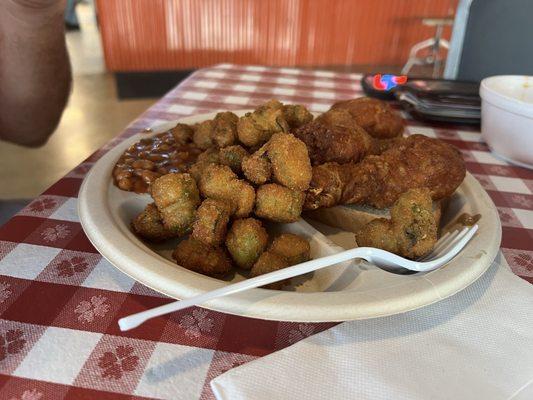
(149, 158)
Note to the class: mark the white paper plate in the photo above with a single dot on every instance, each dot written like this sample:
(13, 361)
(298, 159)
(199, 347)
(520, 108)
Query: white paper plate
(344, 292)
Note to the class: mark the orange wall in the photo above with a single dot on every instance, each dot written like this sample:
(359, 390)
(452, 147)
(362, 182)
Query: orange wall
(181, 34)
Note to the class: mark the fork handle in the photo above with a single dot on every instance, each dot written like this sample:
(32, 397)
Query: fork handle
(134, 320)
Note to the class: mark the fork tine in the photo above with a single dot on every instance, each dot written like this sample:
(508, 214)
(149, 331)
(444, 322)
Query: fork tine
(441, 243)
(445, 249)
(458, 245)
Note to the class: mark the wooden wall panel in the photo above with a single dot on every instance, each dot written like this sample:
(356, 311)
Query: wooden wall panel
(143, 35)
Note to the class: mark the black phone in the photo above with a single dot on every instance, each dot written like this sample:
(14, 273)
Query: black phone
(427, 98)
(442, 90)
(385, 85)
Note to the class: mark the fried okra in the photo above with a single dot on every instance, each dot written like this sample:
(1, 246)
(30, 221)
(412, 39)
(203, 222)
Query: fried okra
(176, 197)
(295, 249)
(203, 258)
(278, 203)
(296, 115)
(148, 225)
(233, 156)
(283, 157)
(224, 129)
(203, 134)
(209, 156)
(211, 222)
(257, 167)
(286, 250)
(269, 262)
(182, 133)
(257, 127)
(246, 240)
(220, 182)
(410, 232)
(291, 166)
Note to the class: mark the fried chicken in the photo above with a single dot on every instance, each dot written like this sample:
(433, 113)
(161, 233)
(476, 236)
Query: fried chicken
(379, 180)
(374, 116)
(335, 137)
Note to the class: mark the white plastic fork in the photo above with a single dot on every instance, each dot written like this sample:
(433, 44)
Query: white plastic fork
(445, 249)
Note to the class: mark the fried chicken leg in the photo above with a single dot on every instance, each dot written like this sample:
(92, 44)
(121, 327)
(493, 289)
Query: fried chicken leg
(418, 161)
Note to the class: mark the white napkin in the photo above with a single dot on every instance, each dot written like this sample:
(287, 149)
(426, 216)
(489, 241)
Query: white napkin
(477, 344)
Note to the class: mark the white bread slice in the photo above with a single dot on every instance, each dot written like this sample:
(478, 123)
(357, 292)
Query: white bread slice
(351, 218)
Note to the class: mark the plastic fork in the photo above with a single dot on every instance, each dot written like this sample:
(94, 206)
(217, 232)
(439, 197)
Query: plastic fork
(448, 246)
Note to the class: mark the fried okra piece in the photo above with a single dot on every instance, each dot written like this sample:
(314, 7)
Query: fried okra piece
(209, 156)
(296, 115)
(286, 250)
(269, 262)
(148, 225)
(257, 168)
(220, 182)
(246, 240)
(295, 249)
(257, 127)
(224, 129)
(176, 197)
(233, 156)
(203, 134)
(291, 166)
(411, 231)
(278, 203)
(182, 133)
(203, 258)
(211, 222)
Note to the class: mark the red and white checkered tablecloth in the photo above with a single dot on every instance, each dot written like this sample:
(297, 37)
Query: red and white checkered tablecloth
(60, 299)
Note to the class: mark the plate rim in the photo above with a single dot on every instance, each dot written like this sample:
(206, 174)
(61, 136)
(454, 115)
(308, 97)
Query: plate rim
(263, 303)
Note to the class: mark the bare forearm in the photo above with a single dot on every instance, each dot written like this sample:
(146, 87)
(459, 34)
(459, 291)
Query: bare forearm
(34, 69)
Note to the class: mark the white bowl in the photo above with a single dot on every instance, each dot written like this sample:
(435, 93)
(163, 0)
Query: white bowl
(507, 117)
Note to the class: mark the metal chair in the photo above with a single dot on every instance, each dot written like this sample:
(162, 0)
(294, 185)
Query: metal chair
(434, 45)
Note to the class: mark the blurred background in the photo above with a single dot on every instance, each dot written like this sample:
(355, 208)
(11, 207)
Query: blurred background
(127, 53)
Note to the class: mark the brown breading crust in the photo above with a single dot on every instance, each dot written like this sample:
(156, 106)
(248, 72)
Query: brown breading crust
(203, 258)
(202, 135)
(182, 133)
(411, 231)
(334, 143)
(291, 166)
(220, 182)
(257, 168)
(419, 161)
(374, 116)
(293, 248)
(211, 222)
(207, 157)
(255, 128)
(296, 115)
(246, 240)
(269, 262)
(233, 156)
(149, 225)
(278, 203)
(176, 197)
(224, 129)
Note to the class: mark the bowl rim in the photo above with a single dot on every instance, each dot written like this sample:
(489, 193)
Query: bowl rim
(503, 101)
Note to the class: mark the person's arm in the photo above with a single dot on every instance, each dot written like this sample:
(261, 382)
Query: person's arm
(34, 69)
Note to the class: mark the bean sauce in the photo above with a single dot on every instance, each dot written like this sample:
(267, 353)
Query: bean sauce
(149, 158)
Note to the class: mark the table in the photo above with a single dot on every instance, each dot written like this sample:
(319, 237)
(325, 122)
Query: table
(60, 300)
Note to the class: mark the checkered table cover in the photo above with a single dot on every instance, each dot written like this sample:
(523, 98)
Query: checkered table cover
(60, 299)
